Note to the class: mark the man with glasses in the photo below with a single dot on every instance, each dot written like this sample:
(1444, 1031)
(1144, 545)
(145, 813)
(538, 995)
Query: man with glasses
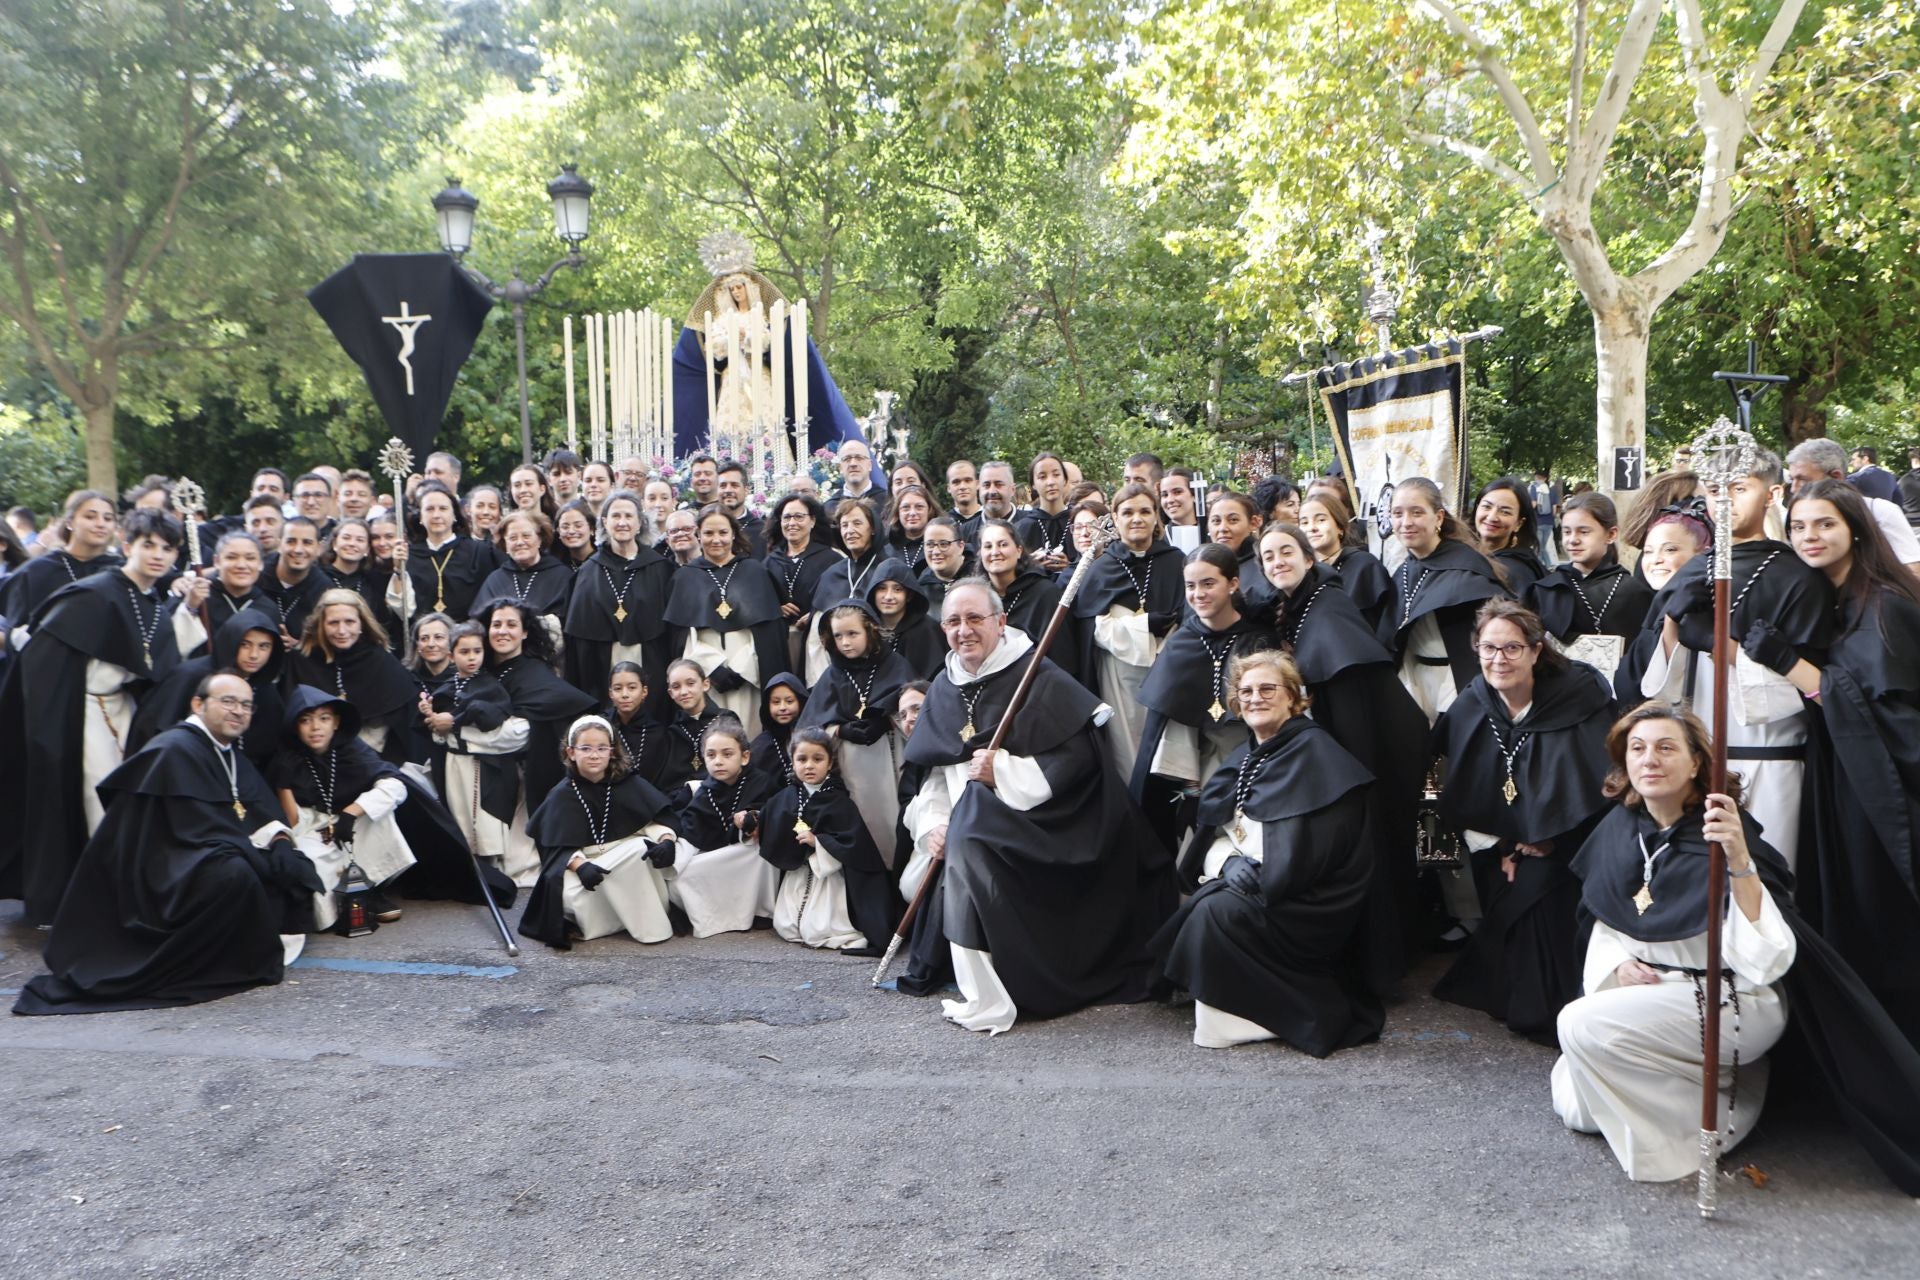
(856, 476)
(313, 498)
(187, 888)
(1050, 896)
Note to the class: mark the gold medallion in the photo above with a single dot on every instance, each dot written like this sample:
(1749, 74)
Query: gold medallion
(861, 714)
(967, 731)
(1510, 791)
(1644, 898)
(239, 810)
(439, 606)
(724, 609)
(1239, 824)
(1216, 710)
(620, 614)
(800, 827)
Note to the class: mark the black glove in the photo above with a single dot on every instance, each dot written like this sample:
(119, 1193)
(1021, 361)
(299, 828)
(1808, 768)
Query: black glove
(725, 679)
(1691, 606)
(863, 732)
(1161, 623)
(663, 852)
(342, 829)
(591, 874)
(293, 868)
(1242, 875)
(1766, 646)
(751, 825)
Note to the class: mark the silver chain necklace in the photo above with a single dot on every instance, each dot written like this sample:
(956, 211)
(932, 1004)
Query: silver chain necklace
(1598, 614)
(1409, 591)
(1510, 791)
(723, 609)
(1296, 622)
(598, 832)
(1140, 587)
(333, 778)
(145, 630)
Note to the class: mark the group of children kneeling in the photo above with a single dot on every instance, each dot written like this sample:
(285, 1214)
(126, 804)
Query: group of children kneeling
(691, 825)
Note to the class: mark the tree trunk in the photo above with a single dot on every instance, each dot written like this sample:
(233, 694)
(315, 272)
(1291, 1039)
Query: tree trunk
(1620, 335)
(1802, 414)
(101, 470)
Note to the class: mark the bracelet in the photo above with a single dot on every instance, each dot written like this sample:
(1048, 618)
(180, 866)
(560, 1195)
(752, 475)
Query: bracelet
(1742, 875)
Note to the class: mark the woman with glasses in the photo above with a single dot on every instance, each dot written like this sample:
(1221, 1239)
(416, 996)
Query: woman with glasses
(1526, 751)
(949, 559)
(1283, 863)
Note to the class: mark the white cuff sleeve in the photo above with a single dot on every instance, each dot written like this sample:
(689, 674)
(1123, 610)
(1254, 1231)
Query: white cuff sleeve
(382, 798)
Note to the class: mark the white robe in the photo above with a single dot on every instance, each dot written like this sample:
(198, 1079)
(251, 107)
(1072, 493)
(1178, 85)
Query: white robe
(1431, 684)
(872, 773)
(735, 651)
(633, 897)
(505, 844)
(378, 846)
(1124, 648)
(108, 716)
(723, 889)
(1630, 1055)
(811, 904)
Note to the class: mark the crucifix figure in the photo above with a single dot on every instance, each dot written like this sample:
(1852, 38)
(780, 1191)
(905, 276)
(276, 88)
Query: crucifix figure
(408, 326)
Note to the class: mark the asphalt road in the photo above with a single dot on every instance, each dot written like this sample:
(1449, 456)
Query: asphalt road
(740, 1106)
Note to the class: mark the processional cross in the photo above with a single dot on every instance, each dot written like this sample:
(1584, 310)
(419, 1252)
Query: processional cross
(408, 327)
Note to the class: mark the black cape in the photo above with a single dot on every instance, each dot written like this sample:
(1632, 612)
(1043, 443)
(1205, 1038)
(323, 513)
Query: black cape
(917, 637)
(872, 904)
(856, 695)
(1523, 569)
(170, 701)
(752, 600)
(1522, 963)
(1030, 601)
(372, 679)
(23, 591)
(796, 578)
(1862, 802)
(545, 588)
(604, 584)
(1064, 895)
(1116, 577)
(770, 753)
(465, 563)
(172, 904)
(549, 705)
(1869, 1066)
(683, 744)
(292, 605)
(559, 828)
(1609, 602)
(697, 812)
(936, 586)
(1289, 957)
(645, 740)
(1770, 582)
(43, 710)
(847, 579)
(1365, 579)
(1451, 584)
(1359, 699)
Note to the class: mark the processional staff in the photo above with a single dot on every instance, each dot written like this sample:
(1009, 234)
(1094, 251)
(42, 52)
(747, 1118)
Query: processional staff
(191, 501)
(1104, 534)
(1723, 454)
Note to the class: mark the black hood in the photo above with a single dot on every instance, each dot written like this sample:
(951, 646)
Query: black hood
(226, 644)
(305, 698)
(917, 602)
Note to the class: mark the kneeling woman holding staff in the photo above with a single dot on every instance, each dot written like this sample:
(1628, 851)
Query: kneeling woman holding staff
(606, 850)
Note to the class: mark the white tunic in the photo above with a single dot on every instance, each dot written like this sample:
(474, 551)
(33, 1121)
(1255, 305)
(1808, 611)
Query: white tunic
(735, 651)
(633, 897)
(811, 905)
(1630, 1055)
(724, 888)
(108, 716)
(1124, 648)
(506, 844)
(1430, 683)
(378, 846)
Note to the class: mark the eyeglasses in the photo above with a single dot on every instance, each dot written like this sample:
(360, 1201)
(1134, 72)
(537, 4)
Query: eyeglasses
(967, 620)
(234, 704)
(1509, 651)
(1257, 692)
(593, 751)
(945, 544)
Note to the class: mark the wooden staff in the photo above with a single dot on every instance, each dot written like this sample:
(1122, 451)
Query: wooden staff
(1103, 536)
(1723, 455)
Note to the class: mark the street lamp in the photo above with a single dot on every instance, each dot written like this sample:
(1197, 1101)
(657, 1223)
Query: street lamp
(455, 208)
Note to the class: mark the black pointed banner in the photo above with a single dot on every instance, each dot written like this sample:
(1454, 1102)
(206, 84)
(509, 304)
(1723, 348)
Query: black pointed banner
(409, 321)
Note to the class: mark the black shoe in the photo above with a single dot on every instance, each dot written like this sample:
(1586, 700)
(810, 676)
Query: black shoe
(677, 917)
(382, 908)
(762, 922)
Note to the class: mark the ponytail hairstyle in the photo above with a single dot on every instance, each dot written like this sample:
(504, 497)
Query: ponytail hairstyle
(1216, 556)
(1451, 530)
(727, 725)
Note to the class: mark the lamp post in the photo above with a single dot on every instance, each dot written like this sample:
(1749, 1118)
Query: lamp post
(455, 207)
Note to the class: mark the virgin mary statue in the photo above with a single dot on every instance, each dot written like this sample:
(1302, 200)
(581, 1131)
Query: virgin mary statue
(733, 329)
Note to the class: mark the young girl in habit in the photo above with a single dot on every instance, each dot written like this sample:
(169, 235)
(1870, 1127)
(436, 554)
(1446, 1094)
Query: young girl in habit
(693, 711)
(723, 884)
(834, 890)
(606, 851)
(780, 705)
(477, 745)
(642, 737)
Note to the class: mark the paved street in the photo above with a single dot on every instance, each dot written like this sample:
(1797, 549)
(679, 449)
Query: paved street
(738, 1106)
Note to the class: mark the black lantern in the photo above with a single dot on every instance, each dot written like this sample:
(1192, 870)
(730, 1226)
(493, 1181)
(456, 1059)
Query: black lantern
(357, 915)
(1435, 844)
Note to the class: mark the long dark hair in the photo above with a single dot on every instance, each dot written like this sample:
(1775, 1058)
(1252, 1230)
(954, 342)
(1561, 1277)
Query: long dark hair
(1875, 568)
(536, 645)
(416, 527)
(1523, 499)
(1020, 566)
(1699, 743)
(1451, 530)
(819, 535)
(1216, 556)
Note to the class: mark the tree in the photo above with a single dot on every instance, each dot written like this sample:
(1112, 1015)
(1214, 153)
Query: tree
(173, 174)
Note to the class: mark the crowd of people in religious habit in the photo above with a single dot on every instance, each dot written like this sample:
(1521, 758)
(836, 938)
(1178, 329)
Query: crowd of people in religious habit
(1257, 775)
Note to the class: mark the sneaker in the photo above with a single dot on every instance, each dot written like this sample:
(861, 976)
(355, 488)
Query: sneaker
(383, 909)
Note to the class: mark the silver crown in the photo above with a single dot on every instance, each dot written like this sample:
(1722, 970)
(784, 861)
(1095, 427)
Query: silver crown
(725, 252)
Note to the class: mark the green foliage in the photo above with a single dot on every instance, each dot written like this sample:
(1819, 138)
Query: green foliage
(41, 461)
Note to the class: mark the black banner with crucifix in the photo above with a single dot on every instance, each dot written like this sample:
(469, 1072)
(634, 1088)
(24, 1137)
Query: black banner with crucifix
(409, 320)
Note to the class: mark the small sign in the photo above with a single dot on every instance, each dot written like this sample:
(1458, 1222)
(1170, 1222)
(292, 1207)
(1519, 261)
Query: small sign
(1629, 466)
